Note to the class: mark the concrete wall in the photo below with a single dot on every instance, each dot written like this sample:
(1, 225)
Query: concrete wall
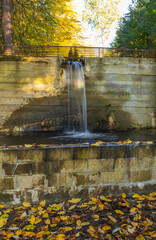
(56, 174)
(120, 93)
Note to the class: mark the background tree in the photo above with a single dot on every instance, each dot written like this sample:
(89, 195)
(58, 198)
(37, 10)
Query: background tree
(44, 22)
(138, 28)
(101, 15)
(6, 26)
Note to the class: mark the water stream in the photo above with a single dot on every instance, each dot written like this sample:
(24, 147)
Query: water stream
(76, 97)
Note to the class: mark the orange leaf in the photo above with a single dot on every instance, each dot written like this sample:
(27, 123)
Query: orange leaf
(39, 234)
(124, 195)
(43, 203)
(106, 228)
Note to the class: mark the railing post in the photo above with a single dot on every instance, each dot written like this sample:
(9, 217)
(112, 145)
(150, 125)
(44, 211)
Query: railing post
(42, 51)
(99, 52)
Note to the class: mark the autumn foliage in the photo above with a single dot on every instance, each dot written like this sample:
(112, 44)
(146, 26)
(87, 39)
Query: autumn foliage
(92, 218)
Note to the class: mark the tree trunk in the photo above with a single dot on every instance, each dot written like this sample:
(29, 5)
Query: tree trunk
(7, 27)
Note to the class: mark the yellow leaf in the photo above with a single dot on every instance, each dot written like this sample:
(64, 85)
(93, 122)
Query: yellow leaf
(135, 195)
(66, 229)
(85, 224)
(105, 199)
(26, 204)
(47, 222)
(29, 227)
(149, 142)
(9, 235)
(124, 195)
(28, 145)
(78, 222)
(64, 218)
(29, 234)
(106, 228)
(72, 207)
(84, 204)
(92, 228)
(96, 217)
(133, 210)
(101, 206)
(40, 234)
(139, 205)
(3, 221)
(85, 143)
(19, 232)
(45, 215)
(75, 200)
(140, 237)
(43, 203)
(119, 212)
(61, 212)
(32, 220)
(112, 219)
(38, 221)
(137, 218)
(2, 205)
(60, 237)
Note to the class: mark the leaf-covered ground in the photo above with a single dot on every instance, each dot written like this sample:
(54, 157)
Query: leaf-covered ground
(92, 218)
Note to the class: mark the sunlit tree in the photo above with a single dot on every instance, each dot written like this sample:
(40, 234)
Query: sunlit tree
(101, 15)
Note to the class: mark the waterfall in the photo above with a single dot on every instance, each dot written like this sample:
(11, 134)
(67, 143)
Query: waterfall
(76, 95)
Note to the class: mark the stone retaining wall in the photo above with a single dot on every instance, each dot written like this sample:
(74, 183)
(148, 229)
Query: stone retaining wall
(120, 94)
(56, 174)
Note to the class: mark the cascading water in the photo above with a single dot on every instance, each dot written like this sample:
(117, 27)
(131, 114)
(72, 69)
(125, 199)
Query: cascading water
(76, 96)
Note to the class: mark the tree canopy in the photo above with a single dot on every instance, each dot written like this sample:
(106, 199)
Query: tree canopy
(44, 22)
(138, 28)
(101, 15)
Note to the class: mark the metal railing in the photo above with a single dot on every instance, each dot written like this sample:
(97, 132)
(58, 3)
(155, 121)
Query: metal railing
(77, 52)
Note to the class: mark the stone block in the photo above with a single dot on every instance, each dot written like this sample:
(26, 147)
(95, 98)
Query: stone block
(2, 172)
(67, 180)
(53, 180)
(94, 165)
(80, 166)
(154, 162)
(113, 177)
(108, 152)
(35, 155)
(67, 166)
(17, 169)
(58, 154)
(8, 155)
(121, 151)
(120, 164)
(6, 198)
(51, 167)
(6, 183)
(134, 164)
(153, 172)
(29, 182)
(87, 179)
(146, 163)
(140, 176)
(145, 151)
(38, 167)
(86, 153)
(107, 165)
